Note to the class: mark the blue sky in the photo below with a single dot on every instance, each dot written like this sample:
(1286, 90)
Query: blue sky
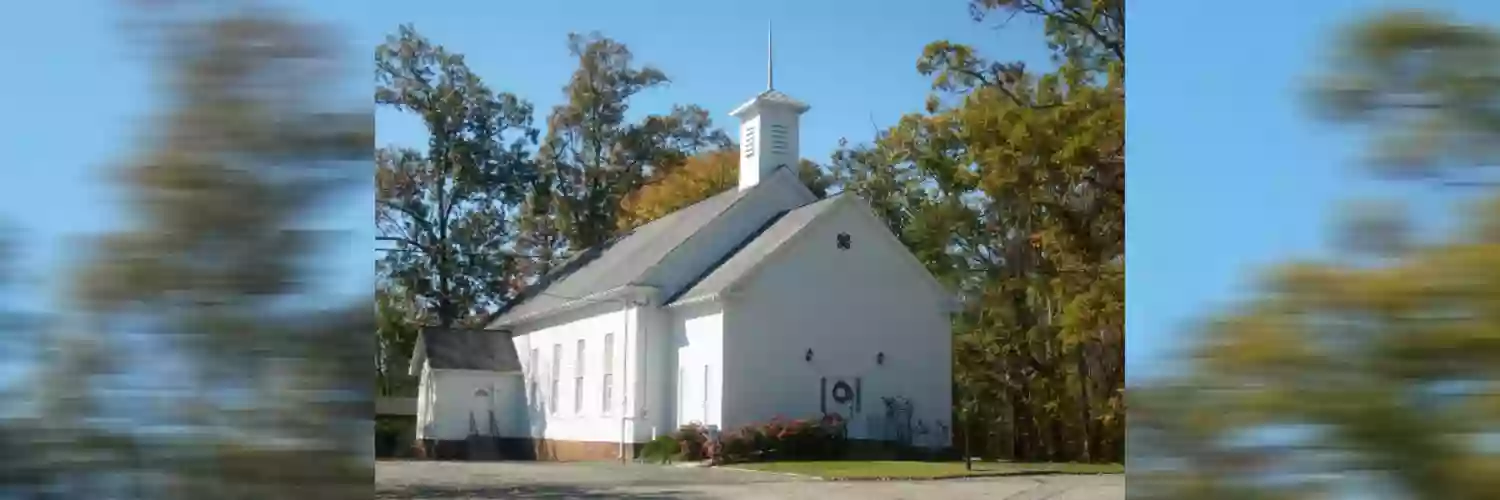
(854, 62)
(1227, 170)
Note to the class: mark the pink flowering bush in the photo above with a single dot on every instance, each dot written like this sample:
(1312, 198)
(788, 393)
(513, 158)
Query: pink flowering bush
(692, 442)
(778, 439)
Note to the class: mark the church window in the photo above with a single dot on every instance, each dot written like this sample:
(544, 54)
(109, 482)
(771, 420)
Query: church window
(556, 375)
(578, 379)
(609, 372)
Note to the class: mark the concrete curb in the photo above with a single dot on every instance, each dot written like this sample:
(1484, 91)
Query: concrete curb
(776, 473)
(961, 477)
(952, 477)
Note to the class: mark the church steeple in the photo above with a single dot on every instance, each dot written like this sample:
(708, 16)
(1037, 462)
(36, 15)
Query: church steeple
(770, 61)
(768, 128)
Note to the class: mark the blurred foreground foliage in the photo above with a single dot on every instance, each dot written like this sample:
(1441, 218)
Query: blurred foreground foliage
(1381, 368)
(196, 359)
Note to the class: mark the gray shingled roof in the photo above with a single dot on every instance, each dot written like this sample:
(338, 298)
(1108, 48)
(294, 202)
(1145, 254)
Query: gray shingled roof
(619, 262)
(756, 248)
(464, 349)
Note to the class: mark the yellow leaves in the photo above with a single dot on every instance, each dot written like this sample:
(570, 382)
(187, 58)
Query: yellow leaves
(1258, 342)
(1485, 220)
(699, 178)
(1485, 406)
(1443, 280)
(933, 104)
(1330, 289)
(1472, 475)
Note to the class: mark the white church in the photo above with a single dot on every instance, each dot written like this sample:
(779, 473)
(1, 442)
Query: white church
(759, 302)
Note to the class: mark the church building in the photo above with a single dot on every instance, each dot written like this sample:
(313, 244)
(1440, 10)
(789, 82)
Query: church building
(758, 302)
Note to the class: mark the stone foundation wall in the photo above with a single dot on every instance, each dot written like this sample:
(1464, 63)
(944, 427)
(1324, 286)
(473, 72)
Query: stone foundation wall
(534, 449)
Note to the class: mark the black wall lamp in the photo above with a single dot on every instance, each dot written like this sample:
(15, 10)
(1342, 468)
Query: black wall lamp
(880, 358)
(808, 357)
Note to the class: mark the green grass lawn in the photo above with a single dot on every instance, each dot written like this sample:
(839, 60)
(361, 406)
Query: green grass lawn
(855, 469)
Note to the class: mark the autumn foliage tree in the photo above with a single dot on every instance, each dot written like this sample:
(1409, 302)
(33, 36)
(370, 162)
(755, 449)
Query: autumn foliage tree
(1011, 187)
(698, 178)
(217, 275)
(592, 157)
(1389, 359)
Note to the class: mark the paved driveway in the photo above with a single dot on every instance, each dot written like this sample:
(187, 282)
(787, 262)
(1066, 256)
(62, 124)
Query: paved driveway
(534, 480)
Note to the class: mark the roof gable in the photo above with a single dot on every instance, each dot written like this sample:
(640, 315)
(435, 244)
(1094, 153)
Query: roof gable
(706, 249)
(742, 261)
(779, 234)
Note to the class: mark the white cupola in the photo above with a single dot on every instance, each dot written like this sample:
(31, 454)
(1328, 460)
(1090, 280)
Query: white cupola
(768, 130)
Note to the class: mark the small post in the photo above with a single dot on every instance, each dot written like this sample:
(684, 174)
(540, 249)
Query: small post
(714, 444)
(968, 430)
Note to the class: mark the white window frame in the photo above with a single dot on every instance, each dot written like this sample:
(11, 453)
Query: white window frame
(556, 377)
(682, 392)
(532, 375)
(578, 365)
(607, 381)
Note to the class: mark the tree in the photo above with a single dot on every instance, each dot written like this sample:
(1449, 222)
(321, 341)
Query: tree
(446, 209)
(396, 329)
(698, 178)
(1391, 361)
(815, 177)
(216, 275)
(1011, 187)
(593, 157)
(1423, 84)
(1086, 33)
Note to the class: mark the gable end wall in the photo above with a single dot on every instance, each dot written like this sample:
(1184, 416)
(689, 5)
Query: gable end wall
(847, 306)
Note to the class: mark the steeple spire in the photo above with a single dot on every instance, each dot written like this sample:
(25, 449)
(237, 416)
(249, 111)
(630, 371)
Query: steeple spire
(770, 69)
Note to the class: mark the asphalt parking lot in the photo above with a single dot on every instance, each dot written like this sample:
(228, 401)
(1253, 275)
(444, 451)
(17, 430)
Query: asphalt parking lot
(535, 480)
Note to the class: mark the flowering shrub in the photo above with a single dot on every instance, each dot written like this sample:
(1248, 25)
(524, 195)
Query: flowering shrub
(736, 447)
(692, 440)
(778, 439)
